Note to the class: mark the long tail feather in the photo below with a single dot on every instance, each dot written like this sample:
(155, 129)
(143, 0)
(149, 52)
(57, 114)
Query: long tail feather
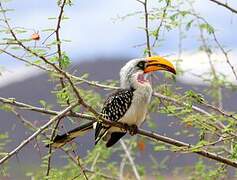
(61, 140)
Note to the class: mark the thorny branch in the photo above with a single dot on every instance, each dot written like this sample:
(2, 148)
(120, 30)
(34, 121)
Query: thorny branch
(57, 69)
(225, 54)
(147, 134)
(36, 133)
(59, 51)
(30, 125)
(86, 170)
(161, 22)
(177, 143)
(68, 76)
(25, 60)
(222, 49)
(67, 111)
(146, 15)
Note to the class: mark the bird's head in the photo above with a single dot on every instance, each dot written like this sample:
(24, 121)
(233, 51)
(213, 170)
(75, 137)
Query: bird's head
(134, 72)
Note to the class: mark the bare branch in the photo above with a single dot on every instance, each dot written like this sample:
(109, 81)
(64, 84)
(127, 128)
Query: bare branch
(218, 43)
(146, 16)
(59, 51)
(25, 60)
(225, 54)
(140, 2)
(225, 5)
(58, 33)
(161, 22)
(128, 154)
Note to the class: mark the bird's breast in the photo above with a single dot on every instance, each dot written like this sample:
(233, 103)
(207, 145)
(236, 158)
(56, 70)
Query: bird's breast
(137, 111)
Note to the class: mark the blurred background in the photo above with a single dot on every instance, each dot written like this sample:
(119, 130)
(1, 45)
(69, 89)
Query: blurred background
(103, 36)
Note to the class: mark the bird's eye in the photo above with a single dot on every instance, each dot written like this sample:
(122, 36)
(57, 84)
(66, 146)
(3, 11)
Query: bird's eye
(141, 65)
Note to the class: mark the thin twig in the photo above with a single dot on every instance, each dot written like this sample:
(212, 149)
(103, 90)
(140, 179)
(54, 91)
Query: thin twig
(220, 111)
(218, 43)
(25, 60)
(161, 22)
(225, 5)
(122, 164)
(61, 79)
(146, 19)
(177, 143)
(97, 84)
(74, 160)
(36, 133)
(57, 33)
(81, 101)
(29, 107)
(82, 168)
(50, 147)
(48, 37)
(94, 162)
(225, 54)
(58, 69)
(142, 2)
(127, 152)
(145, 133)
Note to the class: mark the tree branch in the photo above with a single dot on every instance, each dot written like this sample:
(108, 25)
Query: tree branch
(84, 170)
(142, 132)
(161, 22)
(148, 47)
(24, 106)
(167, 140)
(128, 154)
(40, 130)
(59, 51)
(225, 5)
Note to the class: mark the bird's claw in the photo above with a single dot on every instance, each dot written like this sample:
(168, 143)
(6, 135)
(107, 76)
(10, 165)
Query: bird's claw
(132, 129)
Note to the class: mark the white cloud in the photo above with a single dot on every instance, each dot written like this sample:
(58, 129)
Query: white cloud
(197, 65)
(10, 76)
(194, 66)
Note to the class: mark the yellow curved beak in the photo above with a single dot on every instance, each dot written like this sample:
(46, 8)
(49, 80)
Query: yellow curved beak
(156, 63)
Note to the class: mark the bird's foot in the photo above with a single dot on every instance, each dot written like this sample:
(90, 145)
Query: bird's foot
(132, 129)
(126, 127)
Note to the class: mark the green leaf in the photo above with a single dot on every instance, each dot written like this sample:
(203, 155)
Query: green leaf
(65, 61)
(46, 30)
(234, 152)
(6, 107)
(160, 148)
(43, 103)
(207, 27)
(188, 25)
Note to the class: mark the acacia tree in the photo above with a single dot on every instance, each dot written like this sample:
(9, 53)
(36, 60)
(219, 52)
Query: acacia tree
(214, 125)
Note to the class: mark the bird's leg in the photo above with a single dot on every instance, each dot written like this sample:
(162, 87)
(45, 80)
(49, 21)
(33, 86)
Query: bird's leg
(126, 127)
(133, 129)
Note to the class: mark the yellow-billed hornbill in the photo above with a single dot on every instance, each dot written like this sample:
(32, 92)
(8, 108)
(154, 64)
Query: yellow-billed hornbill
(127, 105)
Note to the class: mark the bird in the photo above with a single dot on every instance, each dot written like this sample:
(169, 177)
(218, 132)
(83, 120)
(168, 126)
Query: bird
(127, 105)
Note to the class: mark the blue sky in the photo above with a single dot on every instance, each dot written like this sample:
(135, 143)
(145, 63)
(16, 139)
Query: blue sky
(95, 33)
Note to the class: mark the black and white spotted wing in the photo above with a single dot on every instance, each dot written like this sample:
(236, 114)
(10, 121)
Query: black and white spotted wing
(115, 106)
